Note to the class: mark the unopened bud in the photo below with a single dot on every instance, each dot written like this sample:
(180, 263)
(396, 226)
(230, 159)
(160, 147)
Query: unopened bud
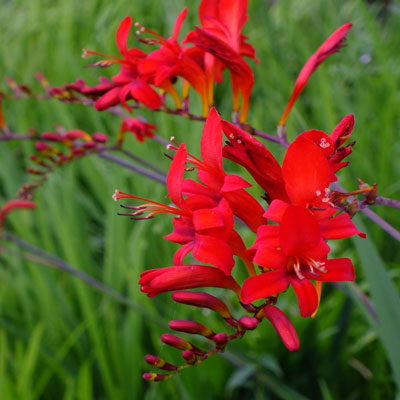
(159, 363)
(179, 343)
(191, 327)
(220, 340)
(52, 136)
(248, 323)
(175, 341)
(75, 134)
(89, 145)
(153, 377)
(42, 147)
(283, 327)
(189, 356)
(203, 300)
(99, 137)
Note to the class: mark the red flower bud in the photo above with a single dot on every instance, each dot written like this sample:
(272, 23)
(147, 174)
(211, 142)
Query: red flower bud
(189, 356)
(203, 300)
(89, 145)
(75, 134)
(52, 136)
(99, 137)
(220, 339)
(283, 327)
(151, 376)
(42, 147)
(179, 343)
(248, 323)
(159, 363)
(191, 327)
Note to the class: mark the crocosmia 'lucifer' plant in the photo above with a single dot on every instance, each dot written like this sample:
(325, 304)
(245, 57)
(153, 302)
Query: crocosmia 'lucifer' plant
(292, 225)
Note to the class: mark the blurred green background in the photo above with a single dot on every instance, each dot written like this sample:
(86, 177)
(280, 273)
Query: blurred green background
(61, 339)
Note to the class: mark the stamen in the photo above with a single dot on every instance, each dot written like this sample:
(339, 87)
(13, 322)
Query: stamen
(297, 269)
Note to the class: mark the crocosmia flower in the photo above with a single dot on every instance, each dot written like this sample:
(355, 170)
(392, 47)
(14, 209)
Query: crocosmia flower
(294, 254)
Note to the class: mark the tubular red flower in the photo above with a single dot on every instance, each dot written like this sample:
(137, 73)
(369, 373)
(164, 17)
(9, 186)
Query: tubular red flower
(295, 253)
(156, 281)
(331, 45)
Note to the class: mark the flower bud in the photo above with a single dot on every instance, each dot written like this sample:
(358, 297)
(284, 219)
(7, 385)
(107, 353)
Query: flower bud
(159, 363)
(99, 137)
(153, 377)
(220, 340)
(191, 327)
(179, 343)
(248, 323)
(52, 136)
(283, 327)
(75, 134)
(203, 300)
(189, 356)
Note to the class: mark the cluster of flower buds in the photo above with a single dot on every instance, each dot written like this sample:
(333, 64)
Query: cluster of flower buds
(290, 247)
(56, 149)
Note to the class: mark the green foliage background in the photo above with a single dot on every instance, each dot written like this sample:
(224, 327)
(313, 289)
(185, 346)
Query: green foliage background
(60, 338)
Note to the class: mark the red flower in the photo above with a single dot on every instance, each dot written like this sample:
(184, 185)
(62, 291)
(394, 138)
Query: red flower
(331, 45)
(204, 224)
(160, 280)
(140, 128)
(221, 37)
(128, 83)
(296, 254)
(174, 60)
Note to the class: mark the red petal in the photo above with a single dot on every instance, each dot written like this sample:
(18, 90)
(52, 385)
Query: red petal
(175, 176)
(183, 231)
(232, 13)
(122, 34)
(268, 235)
(144, 93)
(178, 23)
(207, 218)
(234, 182)
(268, 257)
(283, 327)
(211, 142)
(306, 295)
(182, 252)
(246, 207)
(339, 227)
(276, 210)
(320, 139)
(299, 231)
(339, 269)
(109, 99)
(213, 251)
(264, 285)
(305, 171)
